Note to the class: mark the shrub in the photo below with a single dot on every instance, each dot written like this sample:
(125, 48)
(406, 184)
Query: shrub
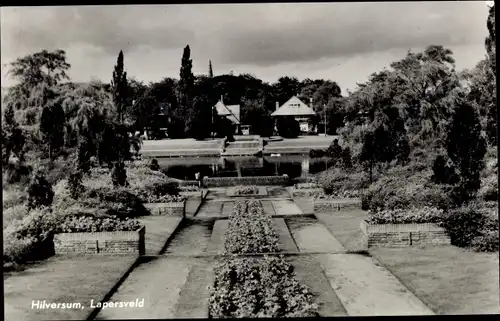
(13, 196)
(313, 153)
(336, 180)
(13, 213)
(473, 225)
(114, 201)
(40, 191)
(154, 166)
(397, 191)
(246, 190)
(406, 216)
(250, 288)
(15, 173)
(16, 249)
(306, 185)
(165, 198)
(119, 174)
(75, 185)
(189, 188)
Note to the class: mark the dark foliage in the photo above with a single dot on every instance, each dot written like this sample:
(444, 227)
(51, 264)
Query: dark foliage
(40, 191)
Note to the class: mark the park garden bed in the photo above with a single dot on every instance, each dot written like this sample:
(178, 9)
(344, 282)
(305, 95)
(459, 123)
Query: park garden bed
(256, 286)
(243, 191)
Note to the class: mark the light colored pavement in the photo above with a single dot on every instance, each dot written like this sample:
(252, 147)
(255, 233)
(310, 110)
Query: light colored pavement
(311, 236)
(158, 230)
(286, 242)
(158, 282)
(368, 289)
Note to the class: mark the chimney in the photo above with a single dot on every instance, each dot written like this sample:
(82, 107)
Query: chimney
(221, 96)
(277, 105)
(311, 103)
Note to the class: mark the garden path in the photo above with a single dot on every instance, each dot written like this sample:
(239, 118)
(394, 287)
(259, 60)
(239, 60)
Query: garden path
(176, 285)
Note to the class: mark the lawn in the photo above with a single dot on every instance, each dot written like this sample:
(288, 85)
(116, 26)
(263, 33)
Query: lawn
(450, 280)
(71, 279)
(344, 225)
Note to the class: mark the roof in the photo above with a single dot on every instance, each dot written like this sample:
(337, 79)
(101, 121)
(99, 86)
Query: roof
(294, 107)
(233, 111)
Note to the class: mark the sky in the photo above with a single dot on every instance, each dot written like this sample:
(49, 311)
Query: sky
(343, 42)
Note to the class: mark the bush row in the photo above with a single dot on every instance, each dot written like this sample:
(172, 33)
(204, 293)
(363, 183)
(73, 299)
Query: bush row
(266, 287)
(307, 185)
(250, 230)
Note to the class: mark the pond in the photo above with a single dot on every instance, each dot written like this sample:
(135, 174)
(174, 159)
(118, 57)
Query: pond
(292, 165)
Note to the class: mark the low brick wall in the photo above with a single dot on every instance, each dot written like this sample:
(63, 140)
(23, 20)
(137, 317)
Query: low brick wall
(305, 192)
(248, 180)
(131, 242)
(167, 209)
(321, 205)
(192, 193)
(403, 235)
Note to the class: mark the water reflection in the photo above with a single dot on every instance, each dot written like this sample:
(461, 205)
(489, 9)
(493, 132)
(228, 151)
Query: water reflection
(292, 165)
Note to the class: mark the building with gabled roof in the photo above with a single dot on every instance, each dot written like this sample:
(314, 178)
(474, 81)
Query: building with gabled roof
(231, 112)
(294, 107)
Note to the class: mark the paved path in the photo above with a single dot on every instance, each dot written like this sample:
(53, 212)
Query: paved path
(158, 230)
(368, 289)
(210, 209)
(158, 282)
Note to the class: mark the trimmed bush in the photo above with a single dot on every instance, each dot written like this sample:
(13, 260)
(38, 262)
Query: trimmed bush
(335, 180)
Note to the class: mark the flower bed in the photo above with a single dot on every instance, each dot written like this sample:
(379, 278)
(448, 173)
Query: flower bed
(189, 188)
(266, 287)
(32, 237)
(401, 228)
(250, 230)
(310, 185)
(246, 190)
(336, 204)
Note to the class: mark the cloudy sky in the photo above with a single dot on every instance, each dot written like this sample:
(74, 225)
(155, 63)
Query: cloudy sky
(345, 42)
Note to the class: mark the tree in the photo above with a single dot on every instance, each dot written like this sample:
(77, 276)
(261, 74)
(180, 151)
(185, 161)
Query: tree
(13, 137)
(40, 67)
(52, 125)
(369, 153)
(119, 174)
(210, 71)
(39, 190)
(119, 87)
(184, 110)
(335, 151)
(346, 157)
(75, 184)
(83, 155)
(466, 147)
(490, 42)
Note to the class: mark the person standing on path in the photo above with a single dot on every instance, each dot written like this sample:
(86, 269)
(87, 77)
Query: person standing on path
(197, 177)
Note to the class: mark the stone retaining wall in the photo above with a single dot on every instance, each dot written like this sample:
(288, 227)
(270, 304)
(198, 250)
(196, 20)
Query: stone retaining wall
(167, 209)
(248, 180)
(305, 192)
(403, 235)
(131, 242)
(323, 205)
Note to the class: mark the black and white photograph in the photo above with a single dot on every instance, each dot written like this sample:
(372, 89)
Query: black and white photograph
(249, 160)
